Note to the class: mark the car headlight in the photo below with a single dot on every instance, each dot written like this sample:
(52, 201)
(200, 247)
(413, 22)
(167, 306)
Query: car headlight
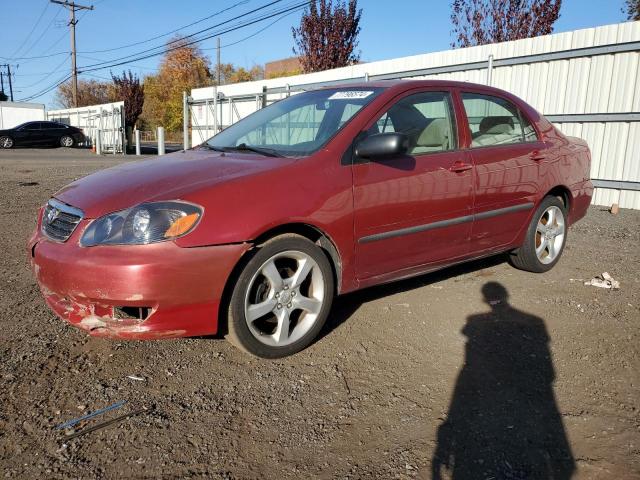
(142, 224)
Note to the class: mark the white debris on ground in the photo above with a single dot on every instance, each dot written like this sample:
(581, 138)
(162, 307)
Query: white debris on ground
(604, 281)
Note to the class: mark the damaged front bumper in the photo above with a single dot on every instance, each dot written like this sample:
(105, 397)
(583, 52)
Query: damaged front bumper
(134, 292)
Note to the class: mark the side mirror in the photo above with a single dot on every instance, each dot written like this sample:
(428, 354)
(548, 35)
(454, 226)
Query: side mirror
(382, 145)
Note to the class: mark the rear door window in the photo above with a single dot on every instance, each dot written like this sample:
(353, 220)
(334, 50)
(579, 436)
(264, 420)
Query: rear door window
(495, 121)
(52, 126)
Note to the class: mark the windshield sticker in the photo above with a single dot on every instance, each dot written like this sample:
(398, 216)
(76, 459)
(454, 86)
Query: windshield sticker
(348, 94)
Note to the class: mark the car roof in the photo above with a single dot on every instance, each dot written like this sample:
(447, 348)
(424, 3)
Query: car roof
(409, 84)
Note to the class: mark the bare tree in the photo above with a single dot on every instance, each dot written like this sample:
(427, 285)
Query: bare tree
(478, 22)
(90, 92)
(328, 35)
(632, 9)
(128, 88)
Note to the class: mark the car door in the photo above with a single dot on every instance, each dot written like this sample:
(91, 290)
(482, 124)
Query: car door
(29, 134)
(51, 132)
(507, 155)
(415, 209)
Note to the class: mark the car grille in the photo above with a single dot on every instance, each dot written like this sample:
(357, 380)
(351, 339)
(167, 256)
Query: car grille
(59, 220)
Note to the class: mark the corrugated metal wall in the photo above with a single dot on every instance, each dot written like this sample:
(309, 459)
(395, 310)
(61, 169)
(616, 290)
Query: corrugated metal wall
(562, 81)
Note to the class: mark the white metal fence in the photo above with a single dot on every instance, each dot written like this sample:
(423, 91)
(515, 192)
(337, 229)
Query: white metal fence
(105, 121)
(586, 81)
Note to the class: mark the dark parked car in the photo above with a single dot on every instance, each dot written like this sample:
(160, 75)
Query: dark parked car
(41, 134)
(321, 193)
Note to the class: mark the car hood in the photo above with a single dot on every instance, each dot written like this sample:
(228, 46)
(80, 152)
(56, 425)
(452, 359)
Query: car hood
(170, 177)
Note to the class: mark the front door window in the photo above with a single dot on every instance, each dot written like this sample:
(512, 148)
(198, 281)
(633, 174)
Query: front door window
(425, 118)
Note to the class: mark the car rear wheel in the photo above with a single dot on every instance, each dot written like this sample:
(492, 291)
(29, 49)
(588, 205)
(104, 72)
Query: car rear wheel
(66, 141)
(545, 238)
(6, 142)
(282, 298)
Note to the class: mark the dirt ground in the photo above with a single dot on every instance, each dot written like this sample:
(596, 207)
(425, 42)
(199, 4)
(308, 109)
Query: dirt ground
(481, 368)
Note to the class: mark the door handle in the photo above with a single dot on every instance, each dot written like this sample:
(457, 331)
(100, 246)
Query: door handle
(536, 156)
(460, 167)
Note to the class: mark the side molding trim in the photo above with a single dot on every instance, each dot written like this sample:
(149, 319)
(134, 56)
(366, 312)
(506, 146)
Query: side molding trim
(445, 223)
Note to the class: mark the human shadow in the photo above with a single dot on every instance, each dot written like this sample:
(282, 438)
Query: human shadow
(345, 306)
(503, 421)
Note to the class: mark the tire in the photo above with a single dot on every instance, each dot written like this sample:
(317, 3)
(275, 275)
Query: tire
(288, 281)
(533, 256)
(6, 142)
(67, 141)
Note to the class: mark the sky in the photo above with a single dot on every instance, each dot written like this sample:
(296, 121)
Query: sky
(36, 28)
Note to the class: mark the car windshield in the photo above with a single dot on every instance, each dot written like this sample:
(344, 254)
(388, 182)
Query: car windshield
(296, 126)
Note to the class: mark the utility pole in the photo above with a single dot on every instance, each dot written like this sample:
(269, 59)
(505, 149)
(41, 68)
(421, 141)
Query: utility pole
(218, 54)
(10, 84)
(72, 24)
(8, 74)
(8, 67)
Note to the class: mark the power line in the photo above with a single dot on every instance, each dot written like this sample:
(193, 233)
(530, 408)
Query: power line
(101, 66)
(252, 35)
(60, 38)
(97, 76)
(35, 58)
(169, 33)
(24, 42)
(55, 70)
(37, 40)
(182, 40)
(46, 90)
(73, 7)
(282, 13)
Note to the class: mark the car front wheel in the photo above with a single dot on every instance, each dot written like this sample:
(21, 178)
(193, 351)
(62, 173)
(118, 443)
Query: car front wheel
(545, 238)
(282, 298)
(66, 141)
(6, 142)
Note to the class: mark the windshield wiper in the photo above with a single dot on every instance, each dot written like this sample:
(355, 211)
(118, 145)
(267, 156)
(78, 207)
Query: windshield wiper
(267, 152)
(213, 147)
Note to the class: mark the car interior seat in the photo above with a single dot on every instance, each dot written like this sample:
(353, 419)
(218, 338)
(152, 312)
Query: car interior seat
(434, 138)
(494, 130)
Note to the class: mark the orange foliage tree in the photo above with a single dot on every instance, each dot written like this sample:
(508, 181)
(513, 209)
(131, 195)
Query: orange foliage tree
(182, 68)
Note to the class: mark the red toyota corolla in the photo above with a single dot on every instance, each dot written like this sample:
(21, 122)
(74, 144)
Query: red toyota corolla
(322, 193)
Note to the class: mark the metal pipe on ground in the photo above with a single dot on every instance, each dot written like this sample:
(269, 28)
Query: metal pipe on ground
(160, 140)
(185, 121)
(137, 142)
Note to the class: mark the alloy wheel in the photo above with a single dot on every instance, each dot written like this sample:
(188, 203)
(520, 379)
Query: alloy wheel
(6, 142)
(550, 233)
(284, 298)
(66, 141)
